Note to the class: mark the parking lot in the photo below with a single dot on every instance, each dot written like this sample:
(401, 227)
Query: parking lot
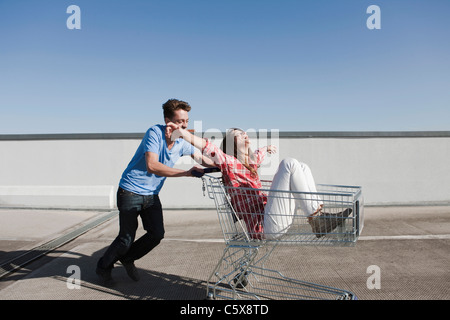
(409, 246)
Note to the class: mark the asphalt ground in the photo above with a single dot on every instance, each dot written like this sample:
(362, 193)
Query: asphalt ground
(408, 248)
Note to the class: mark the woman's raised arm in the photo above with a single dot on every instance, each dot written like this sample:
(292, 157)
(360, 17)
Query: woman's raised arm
(178, 132)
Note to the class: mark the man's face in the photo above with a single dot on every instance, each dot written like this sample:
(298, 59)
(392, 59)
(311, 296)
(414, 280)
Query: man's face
(181, 118)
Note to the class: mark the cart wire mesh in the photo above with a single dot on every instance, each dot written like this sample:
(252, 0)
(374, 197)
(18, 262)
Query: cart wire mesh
(241, 272)
(340, 224)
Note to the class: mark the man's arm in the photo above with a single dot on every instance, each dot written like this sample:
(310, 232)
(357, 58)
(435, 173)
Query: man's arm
(156, 167)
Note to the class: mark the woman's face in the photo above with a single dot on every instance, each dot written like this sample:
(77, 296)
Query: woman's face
(241, 139)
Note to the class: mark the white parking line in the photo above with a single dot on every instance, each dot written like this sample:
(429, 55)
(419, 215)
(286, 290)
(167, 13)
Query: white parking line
(196, 240)
(408, 237)
(361, 238)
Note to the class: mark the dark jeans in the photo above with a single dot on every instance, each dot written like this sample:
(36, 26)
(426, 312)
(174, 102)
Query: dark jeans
(124, 248)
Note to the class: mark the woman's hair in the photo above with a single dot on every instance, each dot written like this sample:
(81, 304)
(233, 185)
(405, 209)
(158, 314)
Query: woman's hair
(229, 146)
(172, 105)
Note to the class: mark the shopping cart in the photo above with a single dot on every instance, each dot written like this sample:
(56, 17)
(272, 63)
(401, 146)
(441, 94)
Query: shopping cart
(241, 272)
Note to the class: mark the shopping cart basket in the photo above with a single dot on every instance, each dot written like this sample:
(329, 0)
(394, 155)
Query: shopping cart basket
(241, 272)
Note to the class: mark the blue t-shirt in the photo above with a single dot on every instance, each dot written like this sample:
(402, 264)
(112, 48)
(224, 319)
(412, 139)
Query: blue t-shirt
(135, 178)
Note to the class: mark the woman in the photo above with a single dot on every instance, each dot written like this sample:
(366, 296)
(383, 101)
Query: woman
(270, 215)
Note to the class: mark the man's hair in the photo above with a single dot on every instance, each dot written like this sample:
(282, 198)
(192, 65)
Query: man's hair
(172, 105)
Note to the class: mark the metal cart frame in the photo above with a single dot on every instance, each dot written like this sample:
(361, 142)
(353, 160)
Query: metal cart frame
(241, 272)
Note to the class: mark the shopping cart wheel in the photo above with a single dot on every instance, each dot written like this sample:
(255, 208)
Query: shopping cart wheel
(242, 283)
(210, 296)
(347, 296)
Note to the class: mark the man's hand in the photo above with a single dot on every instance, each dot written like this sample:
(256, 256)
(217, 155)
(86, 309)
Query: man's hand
(197, 170)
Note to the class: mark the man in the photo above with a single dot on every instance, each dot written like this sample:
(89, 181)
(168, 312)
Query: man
(139, 187)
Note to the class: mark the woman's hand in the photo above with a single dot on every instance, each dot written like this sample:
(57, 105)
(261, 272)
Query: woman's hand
(174, 131)
(271, 149)
(170, 128)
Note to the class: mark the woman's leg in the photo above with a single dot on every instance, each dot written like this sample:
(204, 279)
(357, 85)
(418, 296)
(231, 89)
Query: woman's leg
(291, 175)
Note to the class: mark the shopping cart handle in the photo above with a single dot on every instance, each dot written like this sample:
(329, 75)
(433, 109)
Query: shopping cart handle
(210, 170)
(199, 174)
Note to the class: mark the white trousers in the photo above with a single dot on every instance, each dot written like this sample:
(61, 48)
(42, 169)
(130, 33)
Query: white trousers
(291, 175)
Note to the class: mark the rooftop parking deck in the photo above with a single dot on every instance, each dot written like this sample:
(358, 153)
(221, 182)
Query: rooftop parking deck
(410, 245)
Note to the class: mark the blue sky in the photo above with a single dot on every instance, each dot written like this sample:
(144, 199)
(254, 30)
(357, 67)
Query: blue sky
(290, 65)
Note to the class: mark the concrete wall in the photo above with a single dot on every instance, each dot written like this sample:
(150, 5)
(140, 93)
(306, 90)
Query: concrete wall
(83, 170)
